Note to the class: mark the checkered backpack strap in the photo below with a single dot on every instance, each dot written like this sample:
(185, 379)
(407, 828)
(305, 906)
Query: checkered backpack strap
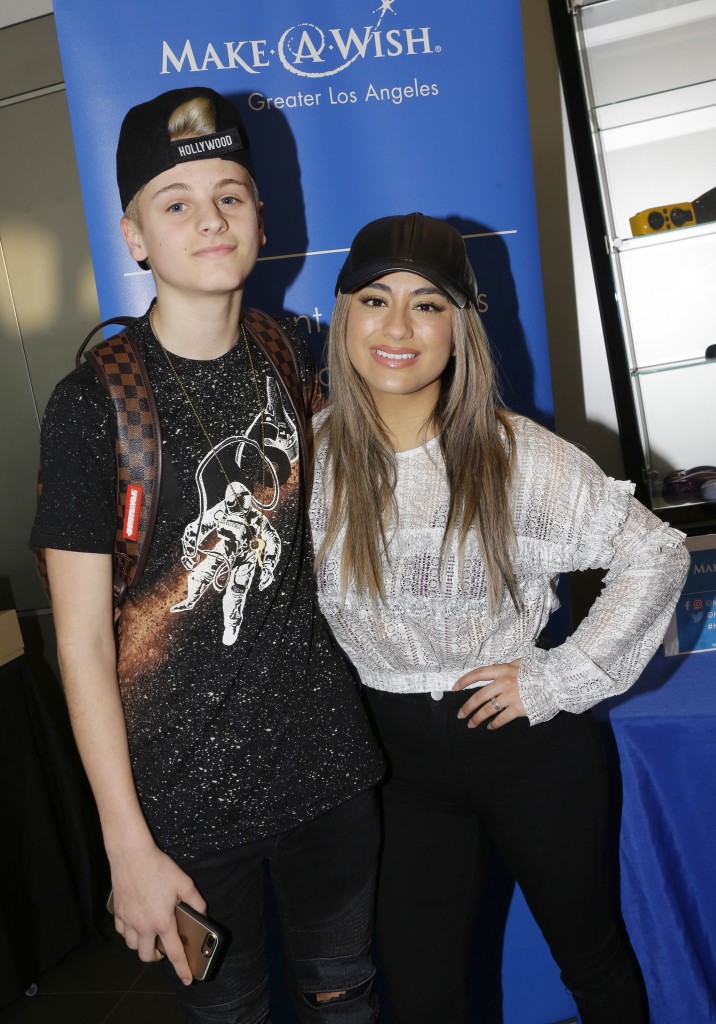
(138, 448)
(276, 346)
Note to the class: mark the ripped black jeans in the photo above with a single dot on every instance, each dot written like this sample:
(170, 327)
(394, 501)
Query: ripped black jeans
(323, 875)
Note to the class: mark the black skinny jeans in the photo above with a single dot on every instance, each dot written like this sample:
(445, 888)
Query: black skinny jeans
(540, 793)
(323, 875)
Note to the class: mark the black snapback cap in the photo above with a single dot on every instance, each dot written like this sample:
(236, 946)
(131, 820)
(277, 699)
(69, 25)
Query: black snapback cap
(145, 150)
(422, 245)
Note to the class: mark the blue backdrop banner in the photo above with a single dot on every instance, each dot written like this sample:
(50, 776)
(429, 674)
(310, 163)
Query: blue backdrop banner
(355, 111)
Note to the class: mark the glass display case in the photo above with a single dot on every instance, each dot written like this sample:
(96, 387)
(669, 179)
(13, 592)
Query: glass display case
(639, 80)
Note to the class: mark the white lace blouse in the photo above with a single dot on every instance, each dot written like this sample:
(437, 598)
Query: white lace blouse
(433, 627)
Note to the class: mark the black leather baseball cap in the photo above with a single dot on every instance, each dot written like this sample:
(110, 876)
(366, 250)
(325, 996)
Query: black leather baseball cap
(423, 245)
(145, 150)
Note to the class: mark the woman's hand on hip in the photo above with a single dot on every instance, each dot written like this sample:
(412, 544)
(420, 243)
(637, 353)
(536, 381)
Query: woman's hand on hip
(498, 700)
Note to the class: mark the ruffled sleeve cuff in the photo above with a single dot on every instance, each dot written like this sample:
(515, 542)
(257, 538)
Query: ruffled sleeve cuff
(563, 679)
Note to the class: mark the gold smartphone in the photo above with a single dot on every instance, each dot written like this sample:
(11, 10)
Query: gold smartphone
(204, 940)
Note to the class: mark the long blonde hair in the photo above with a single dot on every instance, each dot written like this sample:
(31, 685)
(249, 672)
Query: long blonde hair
(476, 439)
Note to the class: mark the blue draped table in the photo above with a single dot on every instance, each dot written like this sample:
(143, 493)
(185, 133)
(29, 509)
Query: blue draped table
(665, 732)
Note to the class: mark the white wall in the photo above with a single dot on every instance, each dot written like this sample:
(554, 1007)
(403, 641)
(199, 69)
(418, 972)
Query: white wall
(14, 11)
(583, 399)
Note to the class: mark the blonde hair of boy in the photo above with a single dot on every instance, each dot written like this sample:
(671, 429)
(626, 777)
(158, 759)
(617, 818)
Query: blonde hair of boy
(194, 117)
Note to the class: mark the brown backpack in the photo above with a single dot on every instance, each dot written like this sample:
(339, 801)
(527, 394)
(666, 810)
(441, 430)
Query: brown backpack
(138, 447)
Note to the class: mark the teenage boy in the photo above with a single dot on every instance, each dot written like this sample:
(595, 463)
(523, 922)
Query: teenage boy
(221, 729)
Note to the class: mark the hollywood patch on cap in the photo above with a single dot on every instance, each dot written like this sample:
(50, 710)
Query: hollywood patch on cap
(145, 150)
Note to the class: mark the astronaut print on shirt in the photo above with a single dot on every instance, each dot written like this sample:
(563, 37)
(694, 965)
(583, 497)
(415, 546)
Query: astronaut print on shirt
(232, 542)
(241, 717)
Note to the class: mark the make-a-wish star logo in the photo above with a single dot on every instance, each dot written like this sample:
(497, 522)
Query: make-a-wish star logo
(307, 49)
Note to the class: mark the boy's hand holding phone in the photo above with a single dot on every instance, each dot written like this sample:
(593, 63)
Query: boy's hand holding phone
(202, 940)
(145, 897)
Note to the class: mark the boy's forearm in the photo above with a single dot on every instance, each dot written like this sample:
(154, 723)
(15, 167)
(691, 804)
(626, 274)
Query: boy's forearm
(147, 884)
(86, 650)
(92, 694)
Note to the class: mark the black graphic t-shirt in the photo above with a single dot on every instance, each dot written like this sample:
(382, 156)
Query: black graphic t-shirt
(241, 716)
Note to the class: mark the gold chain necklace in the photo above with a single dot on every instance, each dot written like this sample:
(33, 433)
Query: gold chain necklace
(256, 544)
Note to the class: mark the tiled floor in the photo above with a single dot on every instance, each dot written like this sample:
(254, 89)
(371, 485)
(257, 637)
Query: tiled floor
(98, 985)
(108, 985)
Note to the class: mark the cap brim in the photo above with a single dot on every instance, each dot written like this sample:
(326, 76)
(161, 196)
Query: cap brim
(358, 277)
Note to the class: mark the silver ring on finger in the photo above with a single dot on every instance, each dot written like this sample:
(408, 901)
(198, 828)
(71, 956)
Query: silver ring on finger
(496, 706)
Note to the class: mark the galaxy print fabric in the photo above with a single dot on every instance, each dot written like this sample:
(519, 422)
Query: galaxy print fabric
(241, 716)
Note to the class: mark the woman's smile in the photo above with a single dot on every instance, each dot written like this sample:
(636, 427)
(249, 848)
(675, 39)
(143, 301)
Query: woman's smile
(394, 357)
(399, 335)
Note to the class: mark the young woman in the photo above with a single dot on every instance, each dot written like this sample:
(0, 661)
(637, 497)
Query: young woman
(442, 522)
